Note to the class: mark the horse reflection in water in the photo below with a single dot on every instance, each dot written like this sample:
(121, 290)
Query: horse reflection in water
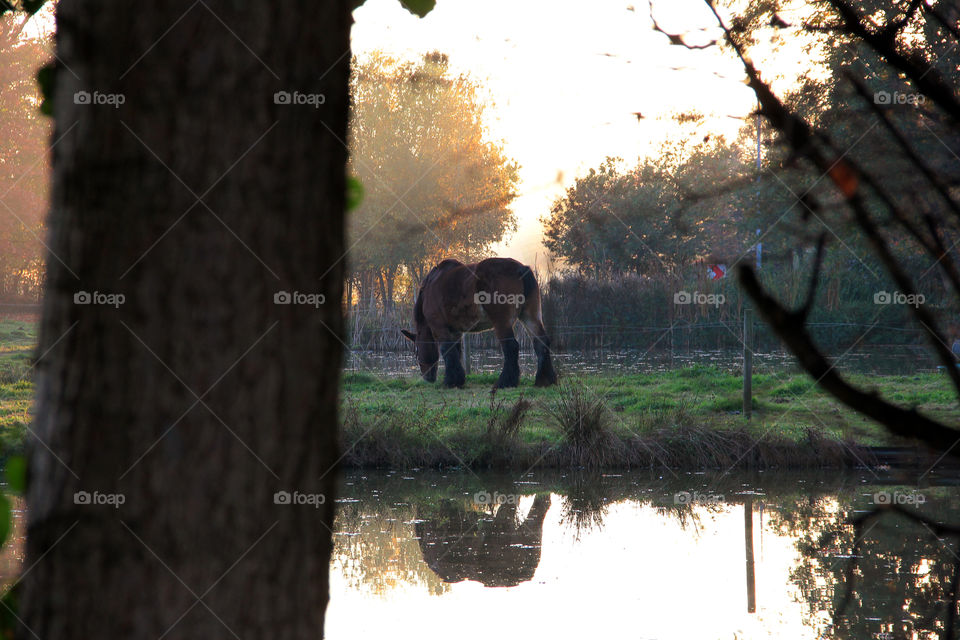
(499, 551)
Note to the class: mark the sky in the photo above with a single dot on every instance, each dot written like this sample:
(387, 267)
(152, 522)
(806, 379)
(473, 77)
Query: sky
(568, 78)
(689, 583)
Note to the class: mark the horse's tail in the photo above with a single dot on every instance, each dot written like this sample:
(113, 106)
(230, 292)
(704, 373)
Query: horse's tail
(529, 283)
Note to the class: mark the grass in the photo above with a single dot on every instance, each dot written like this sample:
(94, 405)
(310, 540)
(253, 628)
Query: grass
(687, 418)
(18, 340)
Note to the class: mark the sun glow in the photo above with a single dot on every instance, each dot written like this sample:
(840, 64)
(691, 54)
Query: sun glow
(574, 83)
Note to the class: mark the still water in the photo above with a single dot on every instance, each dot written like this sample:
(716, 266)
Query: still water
(636, 555)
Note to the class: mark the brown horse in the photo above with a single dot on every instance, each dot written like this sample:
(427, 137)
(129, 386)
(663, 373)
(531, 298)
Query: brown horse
(457, 298)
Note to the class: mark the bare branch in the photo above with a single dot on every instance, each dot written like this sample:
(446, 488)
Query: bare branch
(790, 327)
(922, 74)
(674, 38)
(847, 178)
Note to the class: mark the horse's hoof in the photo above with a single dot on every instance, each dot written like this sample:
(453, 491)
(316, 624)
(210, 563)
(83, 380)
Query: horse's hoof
(455, 383)
(545, 381)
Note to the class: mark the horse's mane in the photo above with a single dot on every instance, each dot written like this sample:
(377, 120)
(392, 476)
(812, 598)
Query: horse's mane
(442, 266)
(418, 317)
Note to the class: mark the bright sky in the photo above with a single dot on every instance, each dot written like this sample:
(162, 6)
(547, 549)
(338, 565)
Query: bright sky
(568, 77)
(642, 575)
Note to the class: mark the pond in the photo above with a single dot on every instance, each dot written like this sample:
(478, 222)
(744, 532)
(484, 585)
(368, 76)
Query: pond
(425, 554)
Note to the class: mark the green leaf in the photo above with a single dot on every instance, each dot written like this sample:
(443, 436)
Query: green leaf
(419, 7)
(16, 473)
(45, 79)
(6, 518)
(9, 622)
(354, 193)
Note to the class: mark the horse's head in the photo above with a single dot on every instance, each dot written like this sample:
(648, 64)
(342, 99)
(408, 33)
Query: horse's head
(428, 355)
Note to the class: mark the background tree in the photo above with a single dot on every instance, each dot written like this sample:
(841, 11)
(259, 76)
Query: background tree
(897, 196)
(435, 184)
(24, 162)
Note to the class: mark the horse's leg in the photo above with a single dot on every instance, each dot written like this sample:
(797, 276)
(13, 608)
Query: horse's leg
(546, 376)
(451, 349)
(510, 376)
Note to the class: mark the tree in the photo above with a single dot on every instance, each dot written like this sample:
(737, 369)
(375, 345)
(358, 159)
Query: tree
(23, 159)
(176, 397)
(435, 185)
(653, 219)
(917, 208)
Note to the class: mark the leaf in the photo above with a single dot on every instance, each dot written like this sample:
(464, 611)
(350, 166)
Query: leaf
(419, 7)
(844, 177)
(6, 518)
(8, 612)
(16, 473)
(354, 193)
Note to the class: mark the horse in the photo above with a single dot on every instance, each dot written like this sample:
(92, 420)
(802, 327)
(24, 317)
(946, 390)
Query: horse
(457, 298)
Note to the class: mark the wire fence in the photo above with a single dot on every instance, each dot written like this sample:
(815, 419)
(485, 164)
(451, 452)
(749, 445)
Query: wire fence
(680, 336)
(884, 349)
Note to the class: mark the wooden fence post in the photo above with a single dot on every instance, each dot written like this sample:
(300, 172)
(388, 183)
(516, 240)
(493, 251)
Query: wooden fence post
(747, 363)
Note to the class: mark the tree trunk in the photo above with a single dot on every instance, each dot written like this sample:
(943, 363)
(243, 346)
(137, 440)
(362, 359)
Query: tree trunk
(391, 278)
(198, 397)
(382, 289)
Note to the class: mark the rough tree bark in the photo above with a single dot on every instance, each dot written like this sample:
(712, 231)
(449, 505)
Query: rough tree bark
(198, 398)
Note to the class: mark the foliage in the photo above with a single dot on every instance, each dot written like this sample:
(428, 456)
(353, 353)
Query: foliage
(435, 184)
(24, 162)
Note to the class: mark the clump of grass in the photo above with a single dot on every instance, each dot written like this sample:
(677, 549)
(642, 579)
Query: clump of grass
(503, 426)
(669, 416)
(15, 367)
(402, 439)
(500, 444)
(584, 422)
(704, 447)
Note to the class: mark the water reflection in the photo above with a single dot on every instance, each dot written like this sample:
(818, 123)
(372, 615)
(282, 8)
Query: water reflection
(497, 548)
(901, 570)
(637, 554)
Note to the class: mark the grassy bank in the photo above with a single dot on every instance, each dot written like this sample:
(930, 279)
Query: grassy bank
(688, 418)
(18, 341)
(685, 419)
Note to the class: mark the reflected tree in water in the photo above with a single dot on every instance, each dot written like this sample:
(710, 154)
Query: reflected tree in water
(889, 576)
(376, 550)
